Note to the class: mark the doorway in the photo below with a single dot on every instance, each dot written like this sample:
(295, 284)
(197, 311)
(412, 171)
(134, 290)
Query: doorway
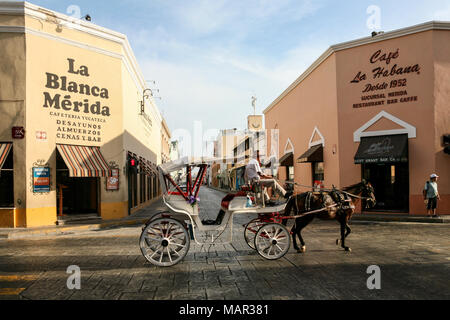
(391, 184)
(79, 195)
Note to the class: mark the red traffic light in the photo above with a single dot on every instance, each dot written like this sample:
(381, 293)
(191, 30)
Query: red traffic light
(133, 163)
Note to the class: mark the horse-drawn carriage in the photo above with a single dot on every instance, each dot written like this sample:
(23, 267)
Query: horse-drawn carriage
(166, 237)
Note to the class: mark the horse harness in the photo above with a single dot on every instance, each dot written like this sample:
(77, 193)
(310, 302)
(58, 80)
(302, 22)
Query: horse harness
(341, 200)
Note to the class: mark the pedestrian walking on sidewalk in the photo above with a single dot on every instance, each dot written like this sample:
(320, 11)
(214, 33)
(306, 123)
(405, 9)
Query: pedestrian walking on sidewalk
(431, 195)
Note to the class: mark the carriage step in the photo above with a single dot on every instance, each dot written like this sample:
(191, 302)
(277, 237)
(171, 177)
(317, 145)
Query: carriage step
(216, 222)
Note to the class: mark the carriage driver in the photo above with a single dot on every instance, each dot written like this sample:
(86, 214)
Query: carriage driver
(253, 174)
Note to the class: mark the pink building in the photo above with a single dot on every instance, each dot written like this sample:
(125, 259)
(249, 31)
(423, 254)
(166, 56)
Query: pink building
(376, 108)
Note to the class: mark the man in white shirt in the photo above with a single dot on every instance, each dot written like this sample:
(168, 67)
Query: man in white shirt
(431, 195)
(253, 174)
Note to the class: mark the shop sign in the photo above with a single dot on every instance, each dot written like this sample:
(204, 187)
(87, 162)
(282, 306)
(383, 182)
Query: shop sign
(112, 182)
(18, 132)
(80, 107)
(41, 179)
(388, 81)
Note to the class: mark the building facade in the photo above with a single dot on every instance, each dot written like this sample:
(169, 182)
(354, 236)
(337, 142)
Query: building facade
(78, 133)
(236, 148)
(165, 142)
(375, 108)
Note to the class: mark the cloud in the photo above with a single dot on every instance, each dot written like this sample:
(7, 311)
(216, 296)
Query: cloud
(206, 17)
(213, 80)
(442, 15)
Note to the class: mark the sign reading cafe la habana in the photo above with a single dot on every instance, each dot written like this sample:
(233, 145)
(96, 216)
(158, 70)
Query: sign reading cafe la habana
(76, 120)
(387, 82)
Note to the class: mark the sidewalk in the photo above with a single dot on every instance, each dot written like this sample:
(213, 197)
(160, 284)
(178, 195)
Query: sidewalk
(379, 217)
(375, 217)
(140, 217)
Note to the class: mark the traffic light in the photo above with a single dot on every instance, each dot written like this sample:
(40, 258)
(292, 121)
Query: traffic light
(446, 142)
(133, 164)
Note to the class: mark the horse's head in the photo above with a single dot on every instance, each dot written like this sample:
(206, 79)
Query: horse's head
(368, 194)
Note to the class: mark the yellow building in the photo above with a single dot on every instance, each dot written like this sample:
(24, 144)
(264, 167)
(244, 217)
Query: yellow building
(75, 118)
(165, 142)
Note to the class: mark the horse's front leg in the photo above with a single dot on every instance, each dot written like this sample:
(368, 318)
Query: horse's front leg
(344, 228)
(294, 235)
(347, 230)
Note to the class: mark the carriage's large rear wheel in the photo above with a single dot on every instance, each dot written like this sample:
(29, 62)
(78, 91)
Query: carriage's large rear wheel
(164, 242)
(250, 231)
(272, 241)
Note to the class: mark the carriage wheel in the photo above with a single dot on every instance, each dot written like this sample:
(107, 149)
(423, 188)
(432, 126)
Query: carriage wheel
(158, 216)
(250, 231)
(272, 241)
(164, 242)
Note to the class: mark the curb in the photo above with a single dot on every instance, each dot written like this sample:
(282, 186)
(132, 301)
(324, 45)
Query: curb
(52, 231)
(407, 219)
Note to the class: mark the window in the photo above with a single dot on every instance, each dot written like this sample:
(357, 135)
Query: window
(149, 185)
(154, 187)
(134, 187)
(290, 173)
(7, 183)
(318, 172)
(142, 188)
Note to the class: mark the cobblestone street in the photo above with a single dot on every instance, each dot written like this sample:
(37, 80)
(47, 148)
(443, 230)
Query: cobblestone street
(414, 260)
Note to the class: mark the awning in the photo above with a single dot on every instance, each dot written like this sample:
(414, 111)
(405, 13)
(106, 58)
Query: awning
(84, 161)
(383, 149)
(4, 152)
(287, 160)
(314, 154)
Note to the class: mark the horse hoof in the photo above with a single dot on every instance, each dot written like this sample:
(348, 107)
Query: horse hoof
(348, 249)
(301, 250)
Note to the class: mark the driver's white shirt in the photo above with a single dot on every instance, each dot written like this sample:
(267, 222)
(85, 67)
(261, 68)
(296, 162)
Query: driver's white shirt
(252, 169)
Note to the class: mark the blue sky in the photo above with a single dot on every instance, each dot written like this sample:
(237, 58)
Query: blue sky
(209, 57)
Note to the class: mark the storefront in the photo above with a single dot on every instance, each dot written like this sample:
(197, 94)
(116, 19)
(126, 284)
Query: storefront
(74, 108)
(376, 108)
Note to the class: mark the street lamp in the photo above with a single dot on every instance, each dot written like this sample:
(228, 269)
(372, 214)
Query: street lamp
(147, 93)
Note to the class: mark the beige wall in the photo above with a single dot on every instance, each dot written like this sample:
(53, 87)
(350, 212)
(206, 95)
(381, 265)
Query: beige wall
(102, 59)
(12, 108)
(165, 142)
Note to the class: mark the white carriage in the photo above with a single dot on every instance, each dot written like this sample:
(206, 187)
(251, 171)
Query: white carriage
(166, 237)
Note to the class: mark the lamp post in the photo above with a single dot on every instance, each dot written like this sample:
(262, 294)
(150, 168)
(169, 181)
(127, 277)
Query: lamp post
(145, 95)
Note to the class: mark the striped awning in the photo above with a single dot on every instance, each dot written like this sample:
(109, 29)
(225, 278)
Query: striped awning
(84, 161)
(5, 148)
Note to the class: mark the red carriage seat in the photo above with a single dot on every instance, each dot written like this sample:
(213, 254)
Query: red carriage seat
(229, 197)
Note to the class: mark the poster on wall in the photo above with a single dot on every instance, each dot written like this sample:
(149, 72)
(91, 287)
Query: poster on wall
(41, 180)
(112, 182)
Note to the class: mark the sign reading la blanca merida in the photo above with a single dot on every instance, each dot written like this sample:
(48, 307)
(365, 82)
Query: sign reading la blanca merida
(387, 81)
(76, 119)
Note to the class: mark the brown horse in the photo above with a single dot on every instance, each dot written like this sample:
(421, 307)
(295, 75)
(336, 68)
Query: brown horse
(336, 204)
